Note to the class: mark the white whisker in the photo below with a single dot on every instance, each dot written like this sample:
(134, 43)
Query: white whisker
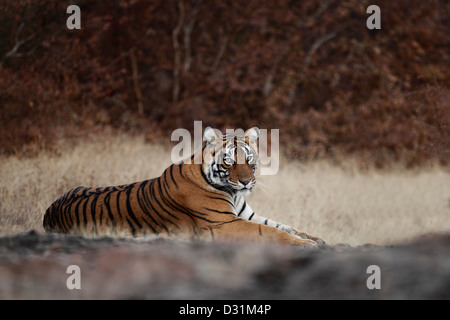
(261, 186)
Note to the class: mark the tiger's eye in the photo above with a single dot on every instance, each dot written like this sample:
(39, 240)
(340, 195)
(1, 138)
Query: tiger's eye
(251, 159)
(228, 161)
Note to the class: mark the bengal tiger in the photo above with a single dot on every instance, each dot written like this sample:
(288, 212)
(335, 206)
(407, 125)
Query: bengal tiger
(203, 198)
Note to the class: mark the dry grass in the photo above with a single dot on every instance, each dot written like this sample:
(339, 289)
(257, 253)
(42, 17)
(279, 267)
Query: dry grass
(350, 206)
(338, 204)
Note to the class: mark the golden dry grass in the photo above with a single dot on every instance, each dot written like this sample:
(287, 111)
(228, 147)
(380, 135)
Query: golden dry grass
(335, 203)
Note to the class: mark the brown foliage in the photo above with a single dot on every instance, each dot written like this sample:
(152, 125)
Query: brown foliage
(310, 68)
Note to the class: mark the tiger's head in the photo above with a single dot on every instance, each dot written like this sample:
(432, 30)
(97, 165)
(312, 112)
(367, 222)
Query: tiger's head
(230, 160)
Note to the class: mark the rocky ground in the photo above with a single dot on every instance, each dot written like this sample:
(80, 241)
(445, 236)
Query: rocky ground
(34, 266)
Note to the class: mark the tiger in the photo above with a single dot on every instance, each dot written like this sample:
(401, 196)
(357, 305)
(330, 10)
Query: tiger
(200, 198)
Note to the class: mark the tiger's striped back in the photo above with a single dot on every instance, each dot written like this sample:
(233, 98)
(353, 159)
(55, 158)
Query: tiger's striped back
(156, 206)
(93, 210)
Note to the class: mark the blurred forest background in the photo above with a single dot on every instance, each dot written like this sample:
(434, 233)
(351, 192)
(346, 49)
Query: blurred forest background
(309, 68)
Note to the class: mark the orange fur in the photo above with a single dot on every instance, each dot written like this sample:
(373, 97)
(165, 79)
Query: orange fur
(202, 200)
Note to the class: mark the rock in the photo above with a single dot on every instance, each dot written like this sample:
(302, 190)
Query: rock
(34, 266)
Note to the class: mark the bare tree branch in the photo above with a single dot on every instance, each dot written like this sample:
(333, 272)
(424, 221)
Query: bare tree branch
(137, 89)
(187, 37)
(316, 45)
(17, 43)
(322, 8)
(177, 54)
(223, 46)
(319, 42)
(268, 84)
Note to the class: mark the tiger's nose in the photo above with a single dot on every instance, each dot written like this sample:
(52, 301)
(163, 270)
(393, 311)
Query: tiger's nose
(245, 182)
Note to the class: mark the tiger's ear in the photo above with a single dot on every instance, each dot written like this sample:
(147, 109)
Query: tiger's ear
(210, 135)
(252, 134)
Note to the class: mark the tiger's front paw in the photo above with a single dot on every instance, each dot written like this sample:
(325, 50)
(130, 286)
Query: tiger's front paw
(320, 242)
(305, 243)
